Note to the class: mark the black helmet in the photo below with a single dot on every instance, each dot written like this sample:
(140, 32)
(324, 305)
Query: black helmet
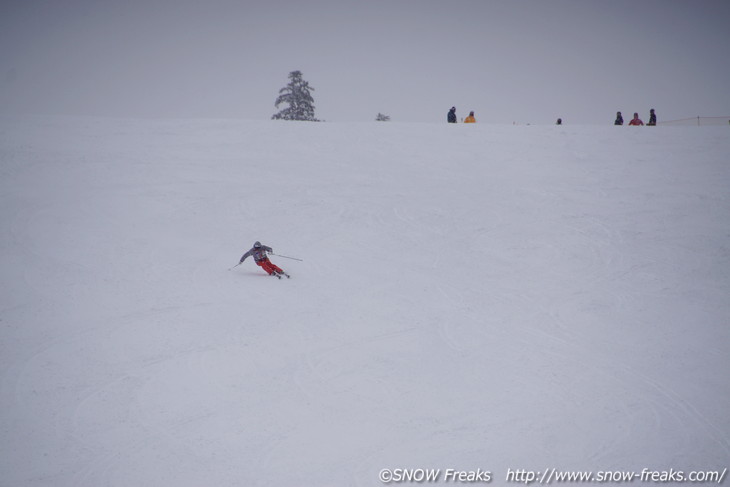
(257, 245)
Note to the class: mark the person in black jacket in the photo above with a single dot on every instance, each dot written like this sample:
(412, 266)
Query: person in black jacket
(451, 117)
(619, 119)
(652, 118)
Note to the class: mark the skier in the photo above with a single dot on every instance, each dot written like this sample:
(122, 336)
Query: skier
(451, 117)
(652, 118)
(636, 120)
(559, 122)
(470, 118)
(262, 260)
(619, 119)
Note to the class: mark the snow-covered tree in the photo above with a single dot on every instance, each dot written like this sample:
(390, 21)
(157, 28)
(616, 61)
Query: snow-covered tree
(297, 94)
(382, 118)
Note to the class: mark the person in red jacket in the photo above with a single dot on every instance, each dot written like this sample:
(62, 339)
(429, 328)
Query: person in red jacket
(636, 120)
(258, 252)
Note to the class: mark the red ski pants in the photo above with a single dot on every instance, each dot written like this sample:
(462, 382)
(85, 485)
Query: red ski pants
(268, 266)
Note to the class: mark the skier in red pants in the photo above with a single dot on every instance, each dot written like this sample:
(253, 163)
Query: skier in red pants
(259, 256)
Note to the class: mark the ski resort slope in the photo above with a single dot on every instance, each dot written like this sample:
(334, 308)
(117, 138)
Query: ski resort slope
(470, 297)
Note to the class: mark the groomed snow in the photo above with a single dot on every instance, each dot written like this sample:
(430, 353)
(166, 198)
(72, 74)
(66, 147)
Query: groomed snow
(471, 297)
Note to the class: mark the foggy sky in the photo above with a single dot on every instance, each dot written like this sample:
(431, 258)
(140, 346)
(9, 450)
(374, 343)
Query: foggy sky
(509, 61)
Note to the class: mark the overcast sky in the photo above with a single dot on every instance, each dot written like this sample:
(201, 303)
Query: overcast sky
(508, 60)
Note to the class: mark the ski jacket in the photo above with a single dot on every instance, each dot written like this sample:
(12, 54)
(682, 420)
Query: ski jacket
(636, 121)
(619, 120)
(470, 119)
(451, 117)
(258, 254)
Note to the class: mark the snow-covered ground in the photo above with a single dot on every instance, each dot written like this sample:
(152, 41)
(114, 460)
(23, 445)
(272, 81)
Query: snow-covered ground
(470, 297)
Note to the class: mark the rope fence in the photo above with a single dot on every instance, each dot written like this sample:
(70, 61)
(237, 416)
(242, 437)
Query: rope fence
(699, 121)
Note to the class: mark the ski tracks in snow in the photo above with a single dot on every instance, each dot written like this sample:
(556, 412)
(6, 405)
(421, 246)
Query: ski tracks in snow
(98, 415)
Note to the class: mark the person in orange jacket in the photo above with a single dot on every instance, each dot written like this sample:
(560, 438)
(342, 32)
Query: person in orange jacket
(470, 118)
(636, 120)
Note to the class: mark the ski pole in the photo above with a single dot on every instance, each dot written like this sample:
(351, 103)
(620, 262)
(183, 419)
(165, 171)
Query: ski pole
(235, 266)
(292, 258)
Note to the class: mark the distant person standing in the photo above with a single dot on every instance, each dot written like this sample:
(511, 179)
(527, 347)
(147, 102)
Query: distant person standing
(636, 120)
(619, 119)
(559, 122)
(652, 118)
(470, 118)
(451, 117)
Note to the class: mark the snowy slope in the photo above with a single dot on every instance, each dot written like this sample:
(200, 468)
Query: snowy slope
(471, 296)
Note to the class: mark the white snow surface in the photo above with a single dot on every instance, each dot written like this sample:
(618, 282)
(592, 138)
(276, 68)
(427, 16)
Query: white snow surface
(470, 297)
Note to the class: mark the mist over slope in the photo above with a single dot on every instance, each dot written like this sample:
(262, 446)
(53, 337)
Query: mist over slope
(470, 296)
